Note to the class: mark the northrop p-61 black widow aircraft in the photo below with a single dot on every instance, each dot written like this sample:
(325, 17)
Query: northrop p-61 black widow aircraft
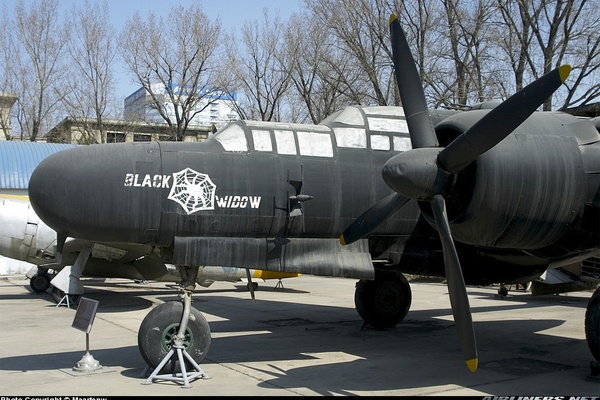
(496, 194)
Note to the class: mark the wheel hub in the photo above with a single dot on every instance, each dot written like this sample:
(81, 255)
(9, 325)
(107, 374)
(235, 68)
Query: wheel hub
(168, 337)
(388, 298)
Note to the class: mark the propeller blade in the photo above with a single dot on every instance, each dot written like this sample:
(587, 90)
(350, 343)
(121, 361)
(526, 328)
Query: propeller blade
(457, 290)
(371, 218)
(414, 104)
(500, 121)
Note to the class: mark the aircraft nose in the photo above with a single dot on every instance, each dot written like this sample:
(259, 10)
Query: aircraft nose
(82, 192)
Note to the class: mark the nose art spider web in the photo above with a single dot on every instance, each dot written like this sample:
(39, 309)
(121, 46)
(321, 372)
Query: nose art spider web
(193, 191)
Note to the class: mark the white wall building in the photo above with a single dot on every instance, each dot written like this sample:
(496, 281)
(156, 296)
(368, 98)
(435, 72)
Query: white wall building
(215, 107)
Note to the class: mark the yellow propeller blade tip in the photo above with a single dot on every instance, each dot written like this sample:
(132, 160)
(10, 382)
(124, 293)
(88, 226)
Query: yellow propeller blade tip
(393, 17)
(564, 71)
(473, 364)
(342, 240)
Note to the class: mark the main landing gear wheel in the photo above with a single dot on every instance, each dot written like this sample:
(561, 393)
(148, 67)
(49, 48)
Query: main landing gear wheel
(503, 291)
(384, 301)
(592, 324)
(40, 282)
(158, 330)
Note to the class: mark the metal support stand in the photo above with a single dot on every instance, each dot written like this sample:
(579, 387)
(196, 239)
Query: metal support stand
(279, 285)
(66, 301)
(185, 376)
(87, 363)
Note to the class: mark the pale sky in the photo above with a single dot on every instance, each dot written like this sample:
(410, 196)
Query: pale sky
(231, 12)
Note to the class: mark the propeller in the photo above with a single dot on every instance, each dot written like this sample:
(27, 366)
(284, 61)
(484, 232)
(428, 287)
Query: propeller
(373, 217)
(425, 172)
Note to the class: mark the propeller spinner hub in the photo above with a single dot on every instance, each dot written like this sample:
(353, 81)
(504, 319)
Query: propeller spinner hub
(416, 174)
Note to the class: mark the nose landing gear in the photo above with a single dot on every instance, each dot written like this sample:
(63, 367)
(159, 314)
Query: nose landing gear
(174, 345)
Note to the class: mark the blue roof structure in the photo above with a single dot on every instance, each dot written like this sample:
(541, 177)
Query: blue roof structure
(19, 159)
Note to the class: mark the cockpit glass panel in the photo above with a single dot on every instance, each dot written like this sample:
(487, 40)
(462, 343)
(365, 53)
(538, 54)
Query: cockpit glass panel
(262, 140)
(315, 144)
(232, 138)
(402, 143)
(285, 142)
(388, 125)
(380, 142)
(384, 111)
(355, 138)
(350, 116)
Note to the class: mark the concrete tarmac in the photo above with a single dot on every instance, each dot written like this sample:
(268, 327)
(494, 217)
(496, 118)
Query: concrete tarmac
(304, 340)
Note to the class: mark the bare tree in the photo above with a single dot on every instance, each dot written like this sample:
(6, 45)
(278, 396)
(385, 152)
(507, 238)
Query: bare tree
(37, 64)
(258, 62)
(516, 44)
(315, 67)
(89, 86)
(551, 33)
(423, 21)
(174, 60)
(468, 52)
(459, 46)
(361, 29)
(7, 89)
(333, 54)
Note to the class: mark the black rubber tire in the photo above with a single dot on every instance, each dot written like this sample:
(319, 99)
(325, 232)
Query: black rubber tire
(592, 324)
(503, 291)
(39, 283)
(384, 301)
(159, 327)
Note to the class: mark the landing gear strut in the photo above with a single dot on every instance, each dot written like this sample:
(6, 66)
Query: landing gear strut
(174, 337)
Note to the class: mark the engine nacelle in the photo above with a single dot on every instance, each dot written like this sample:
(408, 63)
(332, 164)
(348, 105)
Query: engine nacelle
(520, 200)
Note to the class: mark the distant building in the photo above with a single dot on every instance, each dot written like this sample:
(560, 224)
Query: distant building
(141, 123)
(215, 108)
(86, 131)
(7, 100)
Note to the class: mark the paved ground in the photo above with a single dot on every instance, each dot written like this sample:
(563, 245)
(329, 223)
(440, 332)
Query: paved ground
(304, 340)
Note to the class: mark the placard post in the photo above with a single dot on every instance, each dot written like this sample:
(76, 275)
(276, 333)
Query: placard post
(84, 319)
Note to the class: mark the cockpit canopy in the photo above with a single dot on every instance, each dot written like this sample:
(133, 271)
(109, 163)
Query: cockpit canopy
(377, 128)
